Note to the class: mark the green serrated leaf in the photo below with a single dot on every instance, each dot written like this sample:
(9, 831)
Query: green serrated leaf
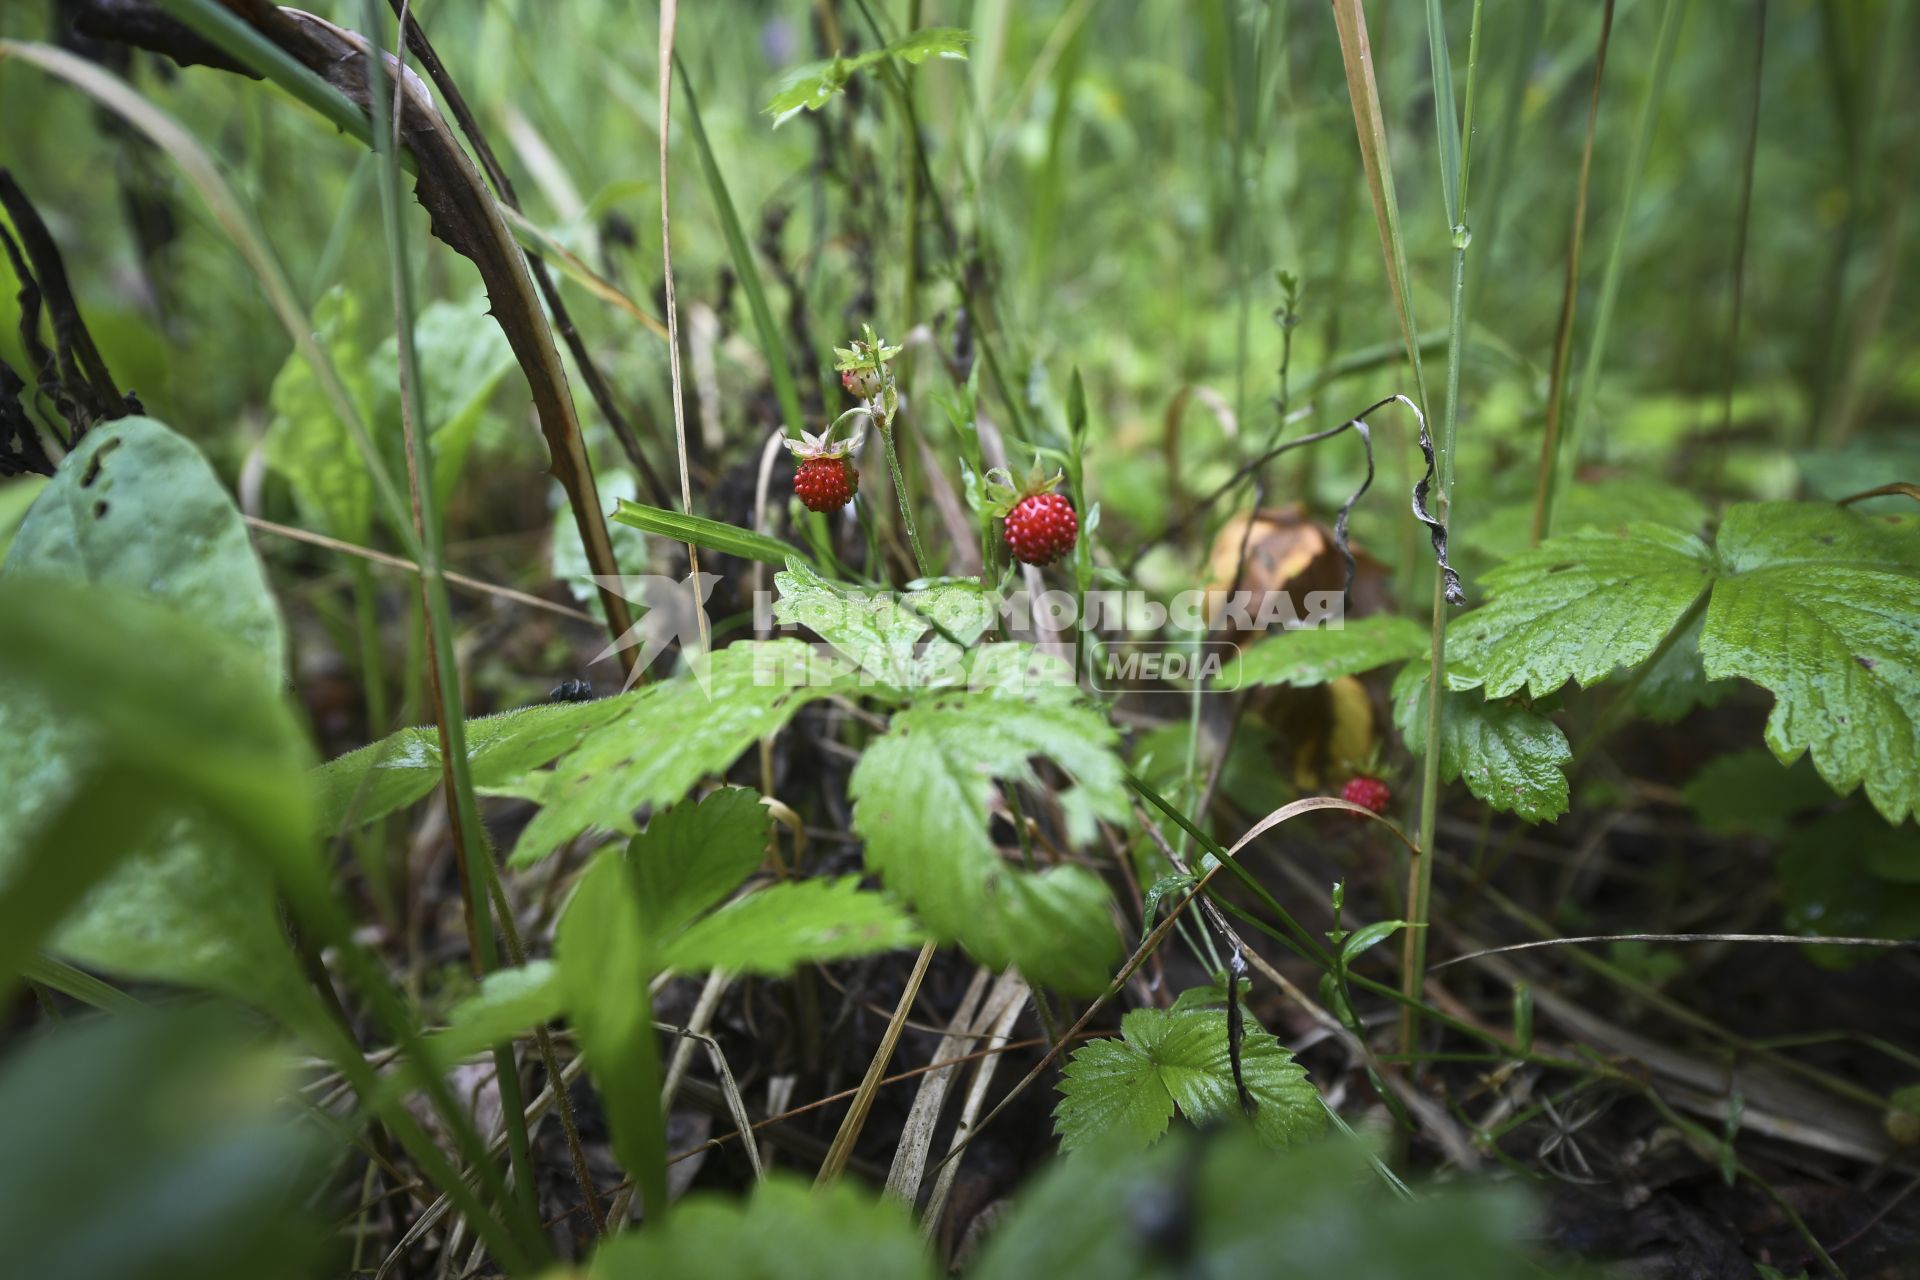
(668, 735)
(692, 856)
(361, 786)
(1510, 757)
(1233, 1207)
(882, 633)
(921, 796)
(777, 929)
(1316, 656)
(1747, 792)
(1578, 607)
(1822, 607)
(509, 1002)
(1129, 1087)
(1832, 877)
(785, 1228)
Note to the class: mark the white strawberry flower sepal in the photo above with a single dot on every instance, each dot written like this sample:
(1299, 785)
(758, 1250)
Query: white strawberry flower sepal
(824, 445)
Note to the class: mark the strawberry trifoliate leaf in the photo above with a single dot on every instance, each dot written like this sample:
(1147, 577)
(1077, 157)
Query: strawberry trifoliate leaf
(692, 856)
(882, 633)
(1822, 607)
(1512, 758)
(669, 735)
(1319, 655)
(1165, 1059)
(783, 926)
(921, 802)
(1578, 607)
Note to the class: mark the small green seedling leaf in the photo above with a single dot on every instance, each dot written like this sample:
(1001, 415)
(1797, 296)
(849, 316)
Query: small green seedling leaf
(1129, 1087)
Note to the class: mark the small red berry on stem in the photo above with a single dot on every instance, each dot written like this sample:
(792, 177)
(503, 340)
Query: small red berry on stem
(1368, 793)
(824, 477)
(826, 484)
(1041, 529)
(1038, 524)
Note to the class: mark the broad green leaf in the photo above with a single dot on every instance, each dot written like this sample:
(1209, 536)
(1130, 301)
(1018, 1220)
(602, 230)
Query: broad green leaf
(709, 535)
(1748, 792)
(1677, 682)
(670, 734)
(1317, 656)
(306, 445)
(1510, 757)
(1230, 1206)
(880, 633)
(163, 1124)
(361, 786)
(136, 508)
(600, 947)
(1578, 607)
(1129, 1087)
(1848, 874)
(776, 929)
(921, 795)
(785, 1229)
(462, 357)
(692, 856)
(1822, 607)
(812, 85)
(509, 1002)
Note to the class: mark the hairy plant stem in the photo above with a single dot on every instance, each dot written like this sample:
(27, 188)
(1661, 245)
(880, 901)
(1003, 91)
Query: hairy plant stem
(885, 423)
(443, 668)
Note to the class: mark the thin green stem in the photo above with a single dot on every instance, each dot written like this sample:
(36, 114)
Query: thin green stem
(900, 493)
(1420, 866)
(443, 665)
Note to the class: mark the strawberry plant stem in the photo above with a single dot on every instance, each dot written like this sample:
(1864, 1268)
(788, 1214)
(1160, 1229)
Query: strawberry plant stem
(900, 494)
(1456, 149)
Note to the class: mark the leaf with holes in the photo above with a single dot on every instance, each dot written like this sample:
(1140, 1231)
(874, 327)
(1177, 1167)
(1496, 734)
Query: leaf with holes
(1165, 1059)
(922, 799)
(1822, 607)
(136, 507)
(1510, 757)
(1320, 655)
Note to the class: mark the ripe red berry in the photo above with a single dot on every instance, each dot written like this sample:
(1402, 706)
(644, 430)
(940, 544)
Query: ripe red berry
(1041, 528)
(1368, 793)
(826, 483)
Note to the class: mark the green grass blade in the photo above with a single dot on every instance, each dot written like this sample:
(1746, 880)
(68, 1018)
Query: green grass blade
(744, 264)
(1672, 18)
(711, 535)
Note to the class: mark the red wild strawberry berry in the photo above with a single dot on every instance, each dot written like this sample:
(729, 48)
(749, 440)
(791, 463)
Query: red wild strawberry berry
(1368, 793)
(1041, 528)
(826, 484)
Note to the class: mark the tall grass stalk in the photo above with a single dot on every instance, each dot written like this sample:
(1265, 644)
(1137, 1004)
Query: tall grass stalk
(1563, 336)
(443, 670)
(1560, 466)
(1455, 142)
